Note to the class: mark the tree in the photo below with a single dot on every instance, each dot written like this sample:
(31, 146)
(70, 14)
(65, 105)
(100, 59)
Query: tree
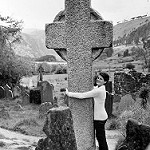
(12, 67)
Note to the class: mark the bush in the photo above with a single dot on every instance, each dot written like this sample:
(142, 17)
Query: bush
(130, 66)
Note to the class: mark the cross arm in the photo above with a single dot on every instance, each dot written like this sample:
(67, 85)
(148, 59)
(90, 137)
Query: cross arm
(55, 35)
(100, 34)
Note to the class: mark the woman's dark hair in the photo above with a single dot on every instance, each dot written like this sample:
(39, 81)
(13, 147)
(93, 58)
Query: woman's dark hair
(103, 74)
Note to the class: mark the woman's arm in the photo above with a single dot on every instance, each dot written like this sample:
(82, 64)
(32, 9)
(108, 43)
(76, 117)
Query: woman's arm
(92, 93)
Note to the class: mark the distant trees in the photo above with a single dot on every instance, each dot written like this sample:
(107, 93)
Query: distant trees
(12, 67)
(130, 66)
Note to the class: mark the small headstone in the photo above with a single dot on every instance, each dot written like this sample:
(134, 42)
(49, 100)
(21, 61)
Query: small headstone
(46, 92)
(16, 91)
(44, 108)
(59, 131)
(137, 136)
(2, 92)
(8, 92)
(4, 113)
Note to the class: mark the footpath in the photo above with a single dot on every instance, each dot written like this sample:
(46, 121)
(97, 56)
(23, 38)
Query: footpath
(10, 140)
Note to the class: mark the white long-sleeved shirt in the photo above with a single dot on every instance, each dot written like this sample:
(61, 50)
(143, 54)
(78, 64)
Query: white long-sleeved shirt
(99, 95)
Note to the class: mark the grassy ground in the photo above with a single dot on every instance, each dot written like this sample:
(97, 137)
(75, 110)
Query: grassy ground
(27, 121)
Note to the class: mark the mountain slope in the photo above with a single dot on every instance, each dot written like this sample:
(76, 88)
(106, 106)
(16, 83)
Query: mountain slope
(125, 28)
(33, 45)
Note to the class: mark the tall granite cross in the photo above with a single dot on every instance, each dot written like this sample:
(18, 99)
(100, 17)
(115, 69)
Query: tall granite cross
(76, 37)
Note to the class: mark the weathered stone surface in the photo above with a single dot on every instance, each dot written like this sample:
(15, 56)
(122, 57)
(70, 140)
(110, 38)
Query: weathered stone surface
(137, 136)
(46, 91)
(59, 130)
(79, 38)
(44, 108)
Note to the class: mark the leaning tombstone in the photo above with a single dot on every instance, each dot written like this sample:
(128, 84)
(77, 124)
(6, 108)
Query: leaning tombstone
(79, 35)
(2, 92)
(59, 130)
(46, 91)
(137, 136)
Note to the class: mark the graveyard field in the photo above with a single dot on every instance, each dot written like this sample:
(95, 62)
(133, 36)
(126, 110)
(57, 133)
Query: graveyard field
(25, 119)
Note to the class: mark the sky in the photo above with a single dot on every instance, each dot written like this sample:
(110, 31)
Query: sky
(36, 13)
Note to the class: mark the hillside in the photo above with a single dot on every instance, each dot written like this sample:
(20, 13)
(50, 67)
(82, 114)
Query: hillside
(126, 28)
(33, 45)
(128, 32)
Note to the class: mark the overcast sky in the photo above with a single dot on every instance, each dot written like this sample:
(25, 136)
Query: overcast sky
(35, 13)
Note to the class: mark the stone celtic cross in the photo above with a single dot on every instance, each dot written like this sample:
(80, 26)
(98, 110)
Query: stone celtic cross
(79, 40)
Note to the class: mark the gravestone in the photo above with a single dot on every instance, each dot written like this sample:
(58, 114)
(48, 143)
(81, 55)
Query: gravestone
(79, 36)
(35, 96)
(59, 130)
(16, 91)
(8, 92)
(137, 136)
(2, 92)
(46, 91)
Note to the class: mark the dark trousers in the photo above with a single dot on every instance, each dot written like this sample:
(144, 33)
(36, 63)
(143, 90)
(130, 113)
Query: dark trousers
(99, 127)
